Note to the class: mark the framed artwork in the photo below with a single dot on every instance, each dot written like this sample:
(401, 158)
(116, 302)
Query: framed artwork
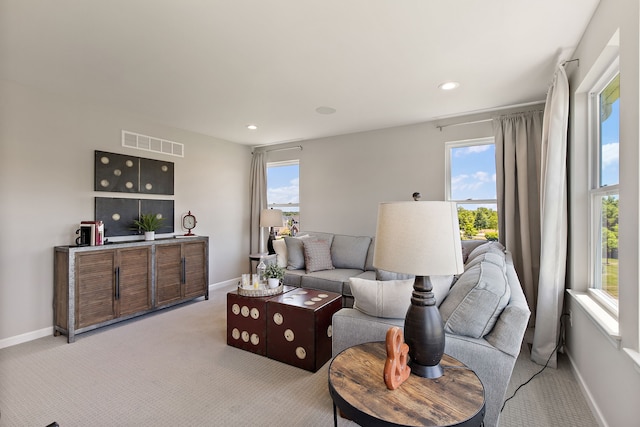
(122, 173)
(118, 214)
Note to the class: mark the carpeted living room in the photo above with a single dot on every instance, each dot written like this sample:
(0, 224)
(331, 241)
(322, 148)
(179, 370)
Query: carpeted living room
(112, 110)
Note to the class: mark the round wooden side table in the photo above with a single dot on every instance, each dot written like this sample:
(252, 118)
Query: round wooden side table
(358, 389)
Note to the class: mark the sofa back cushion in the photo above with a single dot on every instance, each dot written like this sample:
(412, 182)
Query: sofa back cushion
(476, 300)
(350, 251)
(488, 247)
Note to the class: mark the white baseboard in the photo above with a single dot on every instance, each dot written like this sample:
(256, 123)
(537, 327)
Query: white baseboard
(34, 335)
(597, 414)
(29, 336)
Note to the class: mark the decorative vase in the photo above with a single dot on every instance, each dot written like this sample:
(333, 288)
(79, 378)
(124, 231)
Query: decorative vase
(149, 235)
(273, 282)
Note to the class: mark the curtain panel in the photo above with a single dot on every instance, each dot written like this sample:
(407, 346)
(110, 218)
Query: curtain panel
(531, 180)
(258, 200)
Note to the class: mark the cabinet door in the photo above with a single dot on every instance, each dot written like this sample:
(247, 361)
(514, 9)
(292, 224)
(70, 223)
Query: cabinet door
(95, 287)
(133, 280)
(195, 269)
(168, 273)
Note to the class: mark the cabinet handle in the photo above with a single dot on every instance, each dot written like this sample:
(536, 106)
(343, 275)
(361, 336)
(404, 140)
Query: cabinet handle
(117, 283)
(184, 271)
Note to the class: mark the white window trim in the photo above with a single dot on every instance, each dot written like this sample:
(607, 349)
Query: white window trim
(596, 192)
(447, 181)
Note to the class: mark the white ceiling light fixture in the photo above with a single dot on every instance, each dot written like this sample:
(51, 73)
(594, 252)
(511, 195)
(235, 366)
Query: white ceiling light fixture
(448, 85)
(252, 127)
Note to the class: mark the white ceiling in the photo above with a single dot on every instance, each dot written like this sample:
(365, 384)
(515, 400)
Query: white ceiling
(214, 67)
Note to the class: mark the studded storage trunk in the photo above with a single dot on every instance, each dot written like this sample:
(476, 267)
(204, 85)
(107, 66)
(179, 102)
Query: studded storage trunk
(299, 327)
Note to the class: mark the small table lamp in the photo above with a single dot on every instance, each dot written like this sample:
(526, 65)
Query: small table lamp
(271, 218)
(420, 238)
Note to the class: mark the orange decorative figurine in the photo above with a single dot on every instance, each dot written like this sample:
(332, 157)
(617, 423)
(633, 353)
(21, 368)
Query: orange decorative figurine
(396, 370)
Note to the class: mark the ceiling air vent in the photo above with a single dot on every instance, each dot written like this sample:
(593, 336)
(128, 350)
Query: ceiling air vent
(150, 143)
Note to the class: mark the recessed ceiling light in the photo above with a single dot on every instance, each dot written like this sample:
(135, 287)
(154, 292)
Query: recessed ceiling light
(325, 110)
(252, 127)
(448, 85)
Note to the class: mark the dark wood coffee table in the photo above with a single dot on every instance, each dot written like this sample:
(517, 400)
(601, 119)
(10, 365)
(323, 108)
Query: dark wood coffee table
(357, 387)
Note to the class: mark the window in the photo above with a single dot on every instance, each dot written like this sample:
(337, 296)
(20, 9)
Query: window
(283, 192)
(471, 182)
(604, 110)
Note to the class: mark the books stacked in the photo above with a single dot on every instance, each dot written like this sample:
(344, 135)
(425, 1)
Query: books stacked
(95, 232)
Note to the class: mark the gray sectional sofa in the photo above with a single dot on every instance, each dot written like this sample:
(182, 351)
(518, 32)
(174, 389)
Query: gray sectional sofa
(351, 256)
(485, 316)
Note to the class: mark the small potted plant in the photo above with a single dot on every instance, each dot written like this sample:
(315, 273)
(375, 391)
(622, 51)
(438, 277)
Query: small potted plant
(148, 223)
(274, 275)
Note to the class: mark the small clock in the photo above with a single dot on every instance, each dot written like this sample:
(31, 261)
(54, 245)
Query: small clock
(189, 223)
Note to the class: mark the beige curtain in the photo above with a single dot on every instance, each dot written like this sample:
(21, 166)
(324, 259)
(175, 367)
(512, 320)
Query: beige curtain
(518, 140)
(531, 179)
(553, 221)
(258, 200)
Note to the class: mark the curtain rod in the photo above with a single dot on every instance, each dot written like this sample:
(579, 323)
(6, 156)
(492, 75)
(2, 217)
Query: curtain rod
(296, 147)
(440, 127)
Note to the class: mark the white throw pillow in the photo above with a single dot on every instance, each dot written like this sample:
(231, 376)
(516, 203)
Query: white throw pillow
(281, 252)
(389, 298)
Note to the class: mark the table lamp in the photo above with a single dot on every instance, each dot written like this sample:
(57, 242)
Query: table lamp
(271, 218)
(423, 239)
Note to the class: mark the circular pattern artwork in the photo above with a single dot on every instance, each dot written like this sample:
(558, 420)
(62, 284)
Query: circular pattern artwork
(235, 333)
(245, 336)
(278, 319)
(244, 311)
(255, 313)
(289, 335)
(301, 353)
(255, 339)
(235, 309)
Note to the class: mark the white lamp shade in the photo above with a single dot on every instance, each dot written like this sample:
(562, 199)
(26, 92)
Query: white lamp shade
(271, 218)
(420, 238)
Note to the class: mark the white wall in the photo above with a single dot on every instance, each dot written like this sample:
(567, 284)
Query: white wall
(606, 372)
(47, 145)
(344, 178)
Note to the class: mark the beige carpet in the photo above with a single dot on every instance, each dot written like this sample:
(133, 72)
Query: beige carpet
(173, 368)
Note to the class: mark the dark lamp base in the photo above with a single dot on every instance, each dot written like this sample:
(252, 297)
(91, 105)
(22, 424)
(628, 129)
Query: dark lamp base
(424, 331)
(426, 371)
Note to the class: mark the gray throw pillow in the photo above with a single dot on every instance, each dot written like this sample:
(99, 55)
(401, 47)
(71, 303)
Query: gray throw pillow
(317, 255)
(476, 300)
(389, 299)
(295, 252)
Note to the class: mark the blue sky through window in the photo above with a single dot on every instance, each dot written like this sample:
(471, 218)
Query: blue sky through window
(609, 154)
(283, 185)
(473, 172)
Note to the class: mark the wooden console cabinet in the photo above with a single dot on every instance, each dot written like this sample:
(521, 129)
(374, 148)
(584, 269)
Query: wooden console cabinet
(96, 286)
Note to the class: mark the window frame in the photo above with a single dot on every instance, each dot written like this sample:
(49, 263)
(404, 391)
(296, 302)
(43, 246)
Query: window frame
(597, 191)
(447, 182)
(284, 206)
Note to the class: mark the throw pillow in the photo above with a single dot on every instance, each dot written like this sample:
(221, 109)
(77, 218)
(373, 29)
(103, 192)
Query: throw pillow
(350, 251)
(390, 298)
(491, 256)
(295, 252)
(317, 255)
(494, 247)
(441, 284)
(281, 252)
(476, 300)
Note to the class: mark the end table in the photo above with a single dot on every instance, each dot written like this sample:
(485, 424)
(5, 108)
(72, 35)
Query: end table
(357, 387)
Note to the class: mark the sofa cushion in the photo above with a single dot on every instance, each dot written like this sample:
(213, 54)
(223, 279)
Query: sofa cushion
(390, 298)
(491, 256)
(368, 264)
(280, 247)
(349, 251)
(390, 275)
(476, 300)
(493, 247)
(317, 255)
(295, 252)
(468, 246)
(328, 280)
